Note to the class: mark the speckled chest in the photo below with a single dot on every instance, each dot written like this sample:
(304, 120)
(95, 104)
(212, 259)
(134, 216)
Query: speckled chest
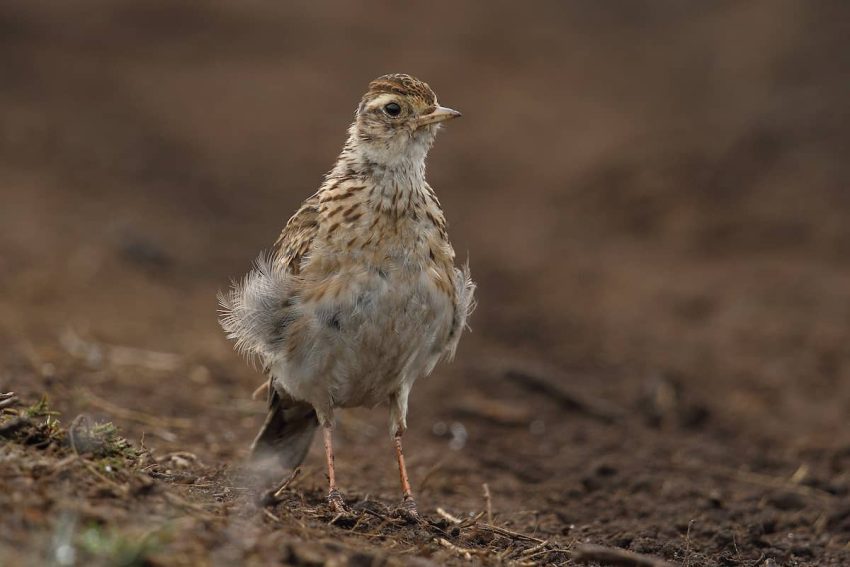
(395, 225)
(376, 294)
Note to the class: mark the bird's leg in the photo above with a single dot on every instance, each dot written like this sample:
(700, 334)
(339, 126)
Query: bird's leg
(398, 423)
(408, 504)
(334, 497)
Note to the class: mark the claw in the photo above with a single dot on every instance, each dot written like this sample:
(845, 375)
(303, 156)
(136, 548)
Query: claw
(336, 502)
(408, 511)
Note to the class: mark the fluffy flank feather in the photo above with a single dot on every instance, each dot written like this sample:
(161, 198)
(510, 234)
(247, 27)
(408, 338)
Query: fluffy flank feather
(256, 311)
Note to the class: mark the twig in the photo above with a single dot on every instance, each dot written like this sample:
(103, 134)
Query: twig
(688, 544)
(285, 484)
(8, 399)
(462, 551)
(506, 552)
(508, 533)
(471, 521)
(489, 502)
(536, 548)
(545, 551)
(449, 517)
(380, 516)
(462, 524)
(614, 556)
(273, 496)
(272, 516)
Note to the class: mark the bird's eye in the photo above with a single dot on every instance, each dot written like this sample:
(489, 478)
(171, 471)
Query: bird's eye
(393, 109)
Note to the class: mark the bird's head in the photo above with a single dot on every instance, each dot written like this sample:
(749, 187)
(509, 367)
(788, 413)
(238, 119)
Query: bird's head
(397, 120)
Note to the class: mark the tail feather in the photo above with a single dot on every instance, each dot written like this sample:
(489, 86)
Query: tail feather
(287, 432)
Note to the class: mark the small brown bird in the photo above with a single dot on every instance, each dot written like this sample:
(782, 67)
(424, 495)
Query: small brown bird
(360, 296)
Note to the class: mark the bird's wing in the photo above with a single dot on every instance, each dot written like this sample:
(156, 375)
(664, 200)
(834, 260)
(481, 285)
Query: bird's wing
(297, 236)
(464, 304)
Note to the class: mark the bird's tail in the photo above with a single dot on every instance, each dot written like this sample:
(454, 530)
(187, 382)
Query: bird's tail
(287, 432)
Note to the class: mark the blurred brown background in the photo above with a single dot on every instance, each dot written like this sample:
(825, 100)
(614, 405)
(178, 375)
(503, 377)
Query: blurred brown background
(653, 197)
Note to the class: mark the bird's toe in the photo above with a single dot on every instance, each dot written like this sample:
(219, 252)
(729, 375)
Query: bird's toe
(336, 502)
(408, 511)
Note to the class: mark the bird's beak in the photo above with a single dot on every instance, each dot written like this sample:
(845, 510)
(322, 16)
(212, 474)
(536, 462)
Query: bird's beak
(440, 114)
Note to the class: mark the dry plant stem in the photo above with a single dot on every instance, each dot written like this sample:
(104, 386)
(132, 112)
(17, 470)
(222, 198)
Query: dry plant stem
(465, 553)
(510, 534)
(7, 400)
(272, 517)
(289, 480)
(489, 502)
(504, 532)
(471, 521)
(535, 549)
(273, 496)
(449, 517)
(613, 556)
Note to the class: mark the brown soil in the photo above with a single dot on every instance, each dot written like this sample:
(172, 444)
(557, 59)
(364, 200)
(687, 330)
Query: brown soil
(654, 199)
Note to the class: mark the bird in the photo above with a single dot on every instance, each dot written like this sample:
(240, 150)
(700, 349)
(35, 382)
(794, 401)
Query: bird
(360, 295)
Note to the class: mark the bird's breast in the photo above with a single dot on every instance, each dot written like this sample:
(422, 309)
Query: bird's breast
(375, 327)
(374, 300)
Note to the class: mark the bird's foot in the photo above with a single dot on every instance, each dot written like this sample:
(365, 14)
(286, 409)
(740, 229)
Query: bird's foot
(336, 502)
(407, 510)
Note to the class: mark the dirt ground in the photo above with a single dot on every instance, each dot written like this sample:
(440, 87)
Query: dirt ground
(654, 200)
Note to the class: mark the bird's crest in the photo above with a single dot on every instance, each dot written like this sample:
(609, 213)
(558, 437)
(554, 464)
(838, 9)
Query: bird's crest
(404, 85)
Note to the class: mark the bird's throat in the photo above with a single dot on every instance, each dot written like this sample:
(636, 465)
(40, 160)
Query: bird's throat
(393, 185)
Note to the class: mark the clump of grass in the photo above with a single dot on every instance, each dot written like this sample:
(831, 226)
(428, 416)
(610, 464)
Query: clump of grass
(40, 409)
(102, 441)
(112, 444)
(38, 425)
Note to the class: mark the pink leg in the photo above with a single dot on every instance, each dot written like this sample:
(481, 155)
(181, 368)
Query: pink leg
(334, 497)
(408, 504)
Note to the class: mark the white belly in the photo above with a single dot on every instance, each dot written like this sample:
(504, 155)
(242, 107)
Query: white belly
(385, 329)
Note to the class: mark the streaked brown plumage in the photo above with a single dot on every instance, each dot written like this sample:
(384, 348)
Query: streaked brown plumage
(360, 296)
